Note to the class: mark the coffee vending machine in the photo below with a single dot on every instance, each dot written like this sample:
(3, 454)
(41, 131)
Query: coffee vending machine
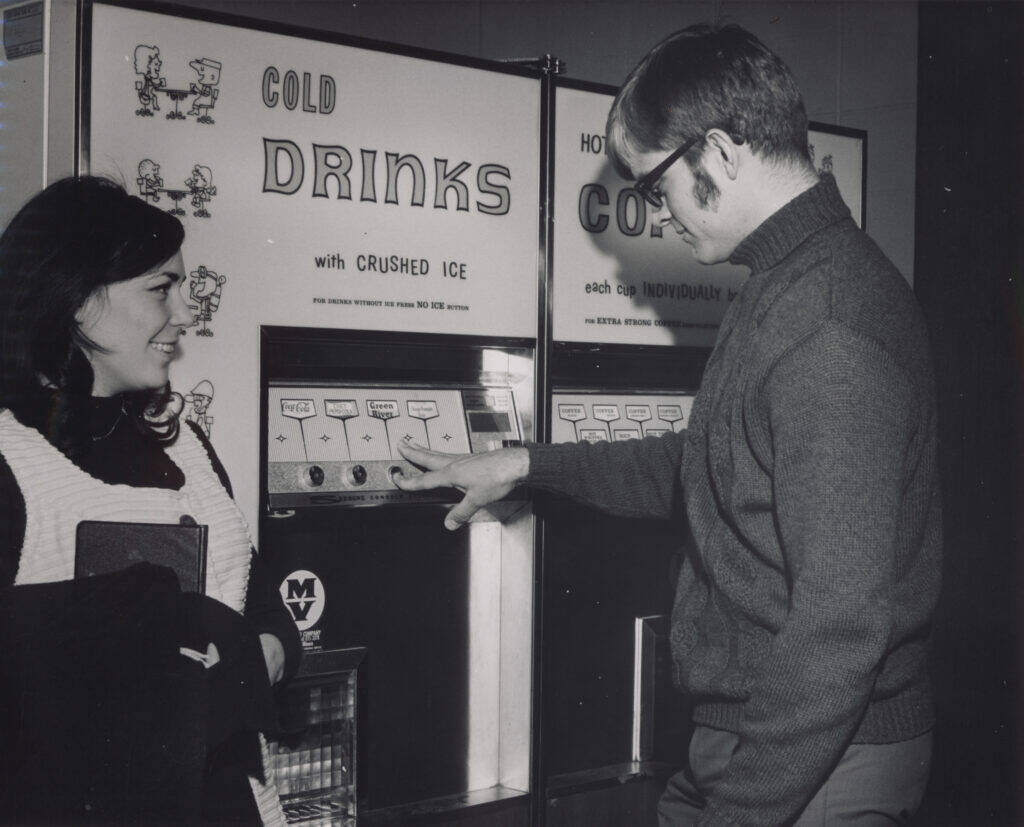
(441, 620)
(613, 725)
(632, 322)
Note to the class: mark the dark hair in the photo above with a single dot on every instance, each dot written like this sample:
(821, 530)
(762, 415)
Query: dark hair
(702, 78)
(73, 238)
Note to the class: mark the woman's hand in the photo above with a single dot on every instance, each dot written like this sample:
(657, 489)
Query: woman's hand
(273, 654)
(485, 478)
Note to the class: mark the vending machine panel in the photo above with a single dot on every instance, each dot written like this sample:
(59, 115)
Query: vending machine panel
(611, 417)
(338, 444)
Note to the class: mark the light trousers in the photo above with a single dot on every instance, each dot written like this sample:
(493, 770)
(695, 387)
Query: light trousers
(873, 784)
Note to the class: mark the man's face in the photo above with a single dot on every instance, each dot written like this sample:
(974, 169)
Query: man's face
(688, 207)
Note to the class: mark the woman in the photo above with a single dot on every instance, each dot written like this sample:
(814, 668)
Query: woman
(125, 700)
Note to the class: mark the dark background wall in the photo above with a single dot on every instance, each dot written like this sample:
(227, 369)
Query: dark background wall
(968, 265)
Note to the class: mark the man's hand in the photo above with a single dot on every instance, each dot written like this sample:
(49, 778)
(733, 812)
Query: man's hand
(485, 478)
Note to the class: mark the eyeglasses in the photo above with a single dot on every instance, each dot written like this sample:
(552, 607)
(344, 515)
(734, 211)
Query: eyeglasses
(647, 185)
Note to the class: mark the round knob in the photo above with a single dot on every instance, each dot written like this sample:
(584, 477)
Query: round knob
(316, 475)
(358, 474)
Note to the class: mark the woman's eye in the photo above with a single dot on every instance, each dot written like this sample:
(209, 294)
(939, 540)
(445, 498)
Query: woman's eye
(162, 289)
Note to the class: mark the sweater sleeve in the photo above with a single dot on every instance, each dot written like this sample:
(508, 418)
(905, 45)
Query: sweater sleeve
(841, 416)
(633, 478)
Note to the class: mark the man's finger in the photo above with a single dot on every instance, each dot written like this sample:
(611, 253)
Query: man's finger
(460, 514)
(423, 457)
(419, 482)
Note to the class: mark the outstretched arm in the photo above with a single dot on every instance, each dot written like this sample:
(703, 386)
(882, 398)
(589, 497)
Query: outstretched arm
(636, 478)
(483, 478)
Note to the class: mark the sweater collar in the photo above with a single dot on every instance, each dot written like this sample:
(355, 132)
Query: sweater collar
(781, 233)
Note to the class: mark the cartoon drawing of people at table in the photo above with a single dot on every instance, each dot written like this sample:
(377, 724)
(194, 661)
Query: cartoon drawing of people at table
(148, 65)
(208, 71)
(204, 292)
(201, 187)
(199, 401)
(149, 180)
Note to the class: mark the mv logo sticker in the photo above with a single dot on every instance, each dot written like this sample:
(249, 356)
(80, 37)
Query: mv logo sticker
(303, 594)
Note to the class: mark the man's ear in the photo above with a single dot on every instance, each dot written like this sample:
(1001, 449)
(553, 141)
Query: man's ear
(726, 154)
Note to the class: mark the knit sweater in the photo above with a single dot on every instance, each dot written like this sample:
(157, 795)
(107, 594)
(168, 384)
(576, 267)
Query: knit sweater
(802, 617)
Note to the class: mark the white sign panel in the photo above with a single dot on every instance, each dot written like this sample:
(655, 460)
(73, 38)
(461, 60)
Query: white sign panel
(320, 185)
(617, 278)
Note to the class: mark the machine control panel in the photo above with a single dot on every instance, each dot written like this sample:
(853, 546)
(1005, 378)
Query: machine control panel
(605, 417)
(338, 445)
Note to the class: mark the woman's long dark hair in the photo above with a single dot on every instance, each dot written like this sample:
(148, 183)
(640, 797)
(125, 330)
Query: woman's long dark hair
(73, 238)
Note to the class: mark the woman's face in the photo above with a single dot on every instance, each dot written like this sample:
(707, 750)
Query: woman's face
(136, 322)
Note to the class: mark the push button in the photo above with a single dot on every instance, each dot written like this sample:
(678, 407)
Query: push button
(357, 473)
(316, 475)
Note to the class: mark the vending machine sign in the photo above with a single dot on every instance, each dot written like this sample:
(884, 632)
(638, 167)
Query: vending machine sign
(303, 594)
(321, 184)
(619, 276)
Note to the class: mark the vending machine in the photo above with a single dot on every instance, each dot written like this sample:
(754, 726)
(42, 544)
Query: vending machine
(362, 267)
(442, 619)
(632, 322)
(610, 713)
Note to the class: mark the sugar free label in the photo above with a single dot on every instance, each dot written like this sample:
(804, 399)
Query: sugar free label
(298, 408)
(422, 409)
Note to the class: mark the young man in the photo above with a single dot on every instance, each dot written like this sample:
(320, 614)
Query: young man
(809, 474)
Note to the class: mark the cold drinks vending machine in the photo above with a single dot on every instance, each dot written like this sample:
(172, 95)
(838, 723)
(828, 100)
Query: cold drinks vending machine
(361, 265)
(442, 619)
